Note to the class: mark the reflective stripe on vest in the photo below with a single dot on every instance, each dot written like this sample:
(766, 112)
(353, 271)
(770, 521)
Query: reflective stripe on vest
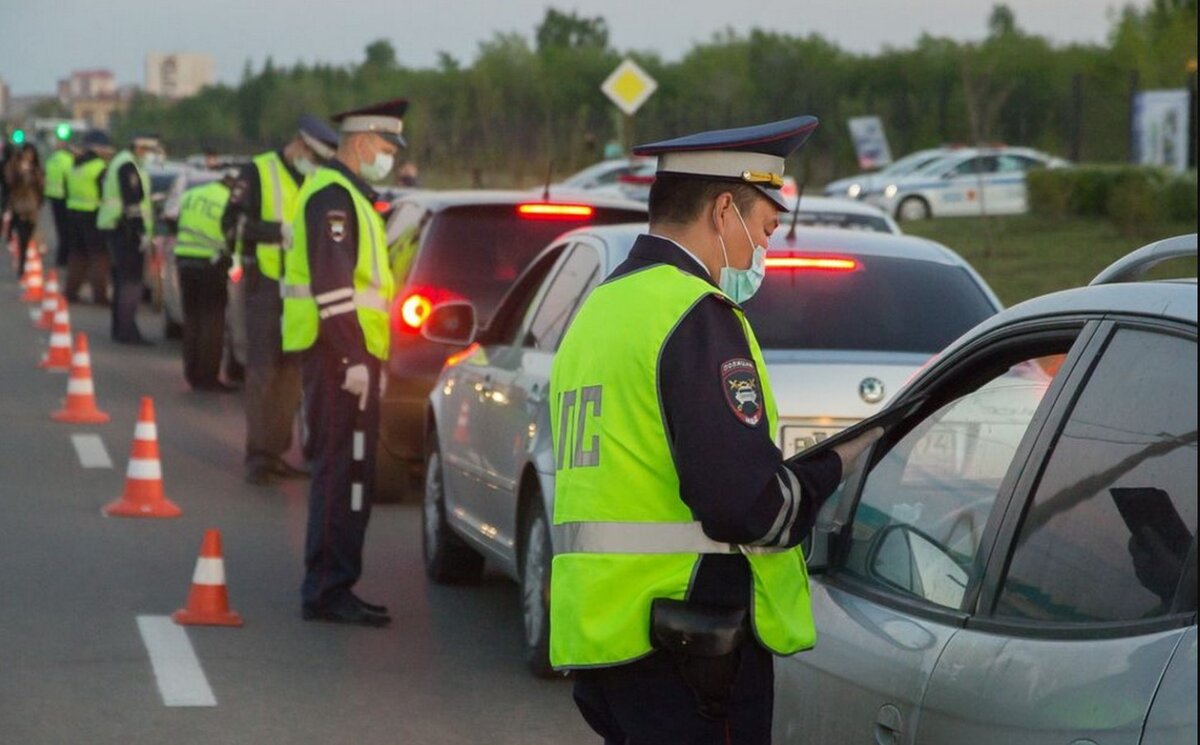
(58, 166)
(200, 210)
(83, 187)
(112, 207)
(374, 286)
(623, 535)
(278, 201)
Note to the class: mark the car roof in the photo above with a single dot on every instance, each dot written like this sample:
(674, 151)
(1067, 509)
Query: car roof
(814, 203)
(439, 200)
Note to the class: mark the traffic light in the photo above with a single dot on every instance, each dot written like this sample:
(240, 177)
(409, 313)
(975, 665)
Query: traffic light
(18, 137)
(63, 131)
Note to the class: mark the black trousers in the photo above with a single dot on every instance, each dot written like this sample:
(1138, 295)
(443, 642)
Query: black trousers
(87, 257)
(205, 291)
(23, 230)
(342, 443)
(128, 263)
(273, 385)
(58, 208)
(647, 703)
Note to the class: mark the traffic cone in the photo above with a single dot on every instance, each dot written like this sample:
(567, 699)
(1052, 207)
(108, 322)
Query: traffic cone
(49, 301)
(58, 357)
(143, 495)
(81, 397)
(208, 601)
(33, 276)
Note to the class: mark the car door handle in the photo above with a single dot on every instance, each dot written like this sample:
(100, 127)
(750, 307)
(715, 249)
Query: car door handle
(889, 726)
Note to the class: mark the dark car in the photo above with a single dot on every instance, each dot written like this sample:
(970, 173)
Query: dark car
(468, 245)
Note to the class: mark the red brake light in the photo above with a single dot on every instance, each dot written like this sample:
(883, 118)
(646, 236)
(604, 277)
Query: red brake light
(414, 310)
(547, 211)
(382, 207)
(814, 263)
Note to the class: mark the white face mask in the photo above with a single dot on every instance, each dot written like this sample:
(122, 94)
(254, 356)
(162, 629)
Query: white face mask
(741, 284)
(304, 166)
(379, 169)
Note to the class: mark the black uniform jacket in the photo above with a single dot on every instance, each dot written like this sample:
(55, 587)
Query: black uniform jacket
(333, 229)
(731, 474)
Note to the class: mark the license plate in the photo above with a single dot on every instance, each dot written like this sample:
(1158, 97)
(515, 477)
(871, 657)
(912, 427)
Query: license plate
(798, 437)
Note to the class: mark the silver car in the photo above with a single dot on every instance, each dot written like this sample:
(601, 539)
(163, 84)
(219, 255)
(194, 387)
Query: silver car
(1015, 561)
(844, 318)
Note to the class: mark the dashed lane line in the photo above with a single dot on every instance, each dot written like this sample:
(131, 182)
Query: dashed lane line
(91, 451)
(177, 670)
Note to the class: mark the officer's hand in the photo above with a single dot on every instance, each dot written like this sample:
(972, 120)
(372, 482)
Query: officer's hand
(850, 451)
(358, 382)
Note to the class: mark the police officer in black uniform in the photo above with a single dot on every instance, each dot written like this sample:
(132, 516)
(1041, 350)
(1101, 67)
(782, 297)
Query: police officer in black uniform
(272, 378)
(350, 285)
(713, 207)
(128, 239)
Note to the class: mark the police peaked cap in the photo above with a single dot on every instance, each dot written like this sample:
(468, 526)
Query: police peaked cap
(748, 155)
(384, 119)
(96, 138)
(145, 139)
(318, 135)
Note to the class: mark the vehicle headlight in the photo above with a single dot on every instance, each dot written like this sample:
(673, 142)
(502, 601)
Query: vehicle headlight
(890, 191)
(854, 190)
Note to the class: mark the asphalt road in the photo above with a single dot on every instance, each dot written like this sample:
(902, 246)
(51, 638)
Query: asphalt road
(74, 666)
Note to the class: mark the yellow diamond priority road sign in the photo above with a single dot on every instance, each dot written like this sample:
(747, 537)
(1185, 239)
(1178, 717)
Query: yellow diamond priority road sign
(629, 86)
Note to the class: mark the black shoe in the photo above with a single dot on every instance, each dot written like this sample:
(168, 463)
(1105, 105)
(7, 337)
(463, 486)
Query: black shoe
(286, 470)
(259, 476)
(379, 610)
(349, 613)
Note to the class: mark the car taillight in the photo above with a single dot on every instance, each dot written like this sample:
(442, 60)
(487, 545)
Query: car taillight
(382, 207)
(412, 309)
(814, 263)
(548, 211)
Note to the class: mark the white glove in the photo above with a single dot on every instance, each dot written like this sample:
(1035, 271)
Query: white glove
(358, 383)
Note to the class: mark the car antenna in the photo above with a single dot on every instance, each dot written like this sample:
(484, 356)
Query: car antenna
(549, 175)
(791, 236)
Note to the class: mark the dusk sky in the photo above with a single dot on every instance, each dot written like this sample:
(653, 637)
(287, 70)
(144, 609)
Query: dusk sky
(43, 41)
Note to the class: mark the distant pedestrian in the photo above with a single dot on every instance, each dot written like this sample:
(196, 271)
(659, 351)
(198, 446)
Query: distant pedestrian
(24, 182)
(127, 221)
(87, 258)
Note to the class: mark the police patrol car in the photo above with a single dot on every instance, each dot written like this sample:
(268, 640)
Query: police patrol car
(970, 181)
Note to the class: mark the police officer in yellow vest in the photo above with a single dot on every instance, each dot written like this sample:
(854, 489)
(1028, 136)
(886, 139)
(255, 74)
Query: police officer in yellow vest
(86, 254)
(127, 222)
(337, 289)
(260, 212)
(677, 574)
(58, 167)
(203, 261)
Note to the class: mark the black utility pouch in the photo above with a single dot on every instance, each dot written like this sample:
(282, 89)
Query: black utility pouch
(703, 641)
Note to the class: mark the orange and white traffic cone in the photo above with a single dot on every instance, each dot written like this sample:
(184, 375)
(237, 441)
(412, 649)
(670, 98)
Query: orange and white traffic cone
(33, 277)
(81, 396)
(208, 600)
(143, 495)
(49, 301)
(58, 357)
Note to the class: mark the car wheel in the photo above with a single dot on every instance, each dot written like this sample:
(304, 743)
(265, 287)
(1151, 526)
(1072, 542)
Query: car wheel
(447, 559)
(536, 555)
(913, 208)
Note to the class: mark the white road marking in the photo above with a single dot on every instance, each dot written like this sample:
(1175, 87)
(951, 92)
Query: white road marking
(177, 671)
(91, 451)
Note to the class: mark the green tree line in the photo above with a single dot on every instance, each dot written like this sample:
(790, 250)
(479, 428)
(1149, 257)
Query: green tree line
(526, 105)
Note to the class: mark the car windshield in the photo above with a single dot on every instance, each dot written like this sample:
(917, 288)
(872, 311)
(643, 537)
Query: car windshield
(477, 251)
(910, 163)
(885, 304)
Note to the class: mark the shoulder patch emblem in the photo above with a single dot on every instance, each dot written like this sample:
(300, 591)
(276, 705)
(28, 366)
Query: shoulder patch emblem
(739, 380)
(335, 225)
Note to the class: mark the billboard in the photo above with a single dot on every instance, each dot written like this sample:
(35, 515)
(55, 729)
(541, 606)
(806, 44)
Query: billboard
(1160, 128)
(870, 143)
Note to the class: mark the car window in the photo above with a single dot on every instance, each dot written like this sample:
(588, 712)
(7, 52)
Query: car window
(579, 272)
(1114, 515)
(476, 251)
(844, 220)
(510, 317)
(887, 304)
(975, 166)
(923, 508)
(1015, 164)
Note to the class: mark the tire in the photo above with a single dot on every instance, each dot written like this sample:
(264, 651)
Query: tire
(536, 554)
(913, 208)
(447, 559)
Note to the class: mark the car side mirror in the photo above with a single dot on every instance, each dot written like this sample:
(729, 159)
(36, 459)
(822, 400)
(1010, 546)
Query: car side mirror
(451, 323)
